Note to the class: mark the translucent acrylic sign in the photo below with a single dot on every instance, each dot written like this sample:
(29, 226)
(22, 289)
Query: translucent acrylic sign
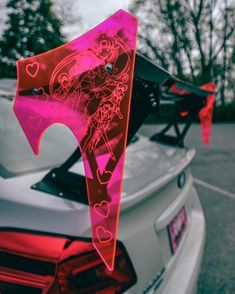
(206, 113)
(86, 85)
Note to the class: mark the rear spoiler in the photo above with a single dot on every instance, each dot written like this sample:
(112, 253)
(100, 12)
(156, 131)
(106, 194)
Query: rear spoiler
(87, 85)
(152, 87)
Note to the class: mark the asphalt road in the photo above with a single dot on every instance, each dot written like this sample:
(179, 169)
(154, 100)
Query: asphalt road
(214, 171)
(216, 165)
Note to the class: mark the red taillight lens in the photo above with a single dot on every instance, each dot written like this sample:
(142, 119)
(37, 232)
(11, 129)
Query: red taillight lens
(63, 265)
(86, 272)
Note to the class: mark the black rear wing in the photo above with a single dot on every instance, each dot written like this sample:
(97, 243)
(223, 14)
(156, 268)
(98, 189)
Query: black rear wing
(152, 86)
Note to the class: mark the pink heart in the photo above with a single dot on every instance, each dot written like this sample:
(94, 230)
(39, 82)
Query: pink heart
(35, 121)
(105, 177)
(32, 69)
(104, 236)
(102, 208)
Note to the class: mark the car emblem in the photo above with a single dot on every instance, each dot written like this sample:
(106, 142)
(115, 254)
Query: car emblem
(181, 180)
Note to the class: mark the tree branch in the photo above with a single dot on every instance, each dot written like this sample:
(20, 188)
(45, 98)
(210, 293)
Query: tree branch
(222, 45)
(155, 51)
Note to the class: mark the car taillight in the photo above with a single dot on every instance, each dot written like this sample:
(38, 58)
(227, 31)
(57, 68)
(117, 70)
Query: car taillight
(58, 265)
(86, 272)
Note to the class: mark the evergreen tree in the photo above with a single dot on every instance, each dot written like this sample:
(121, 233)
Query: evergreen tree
(32, 28)
(192, 39)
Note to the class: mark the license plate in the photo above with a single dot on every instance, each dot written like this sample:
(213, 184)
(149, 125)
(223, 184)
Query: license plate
(176, 229)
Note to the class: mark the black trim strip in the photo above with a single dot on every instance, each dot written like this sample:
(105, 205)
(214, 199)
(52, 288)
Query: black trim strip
(9, 288)
(24, 264)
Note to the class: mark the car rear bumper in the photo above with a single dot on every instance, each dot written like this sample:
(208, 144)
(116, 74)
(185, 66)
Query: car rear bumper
(182, 271)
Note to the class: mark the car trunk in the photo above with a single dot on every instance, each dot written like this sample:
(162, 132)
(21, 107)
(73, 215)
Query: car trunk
(148, 168)
(151, 198)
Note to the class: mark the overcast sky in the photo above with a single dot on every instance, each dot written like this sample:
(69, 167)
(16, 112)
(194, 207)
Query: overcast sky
(91, 11)
(94, 11)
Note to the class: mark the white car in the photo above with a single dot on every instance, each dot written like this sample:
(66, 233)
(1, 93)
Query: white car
(45, 231)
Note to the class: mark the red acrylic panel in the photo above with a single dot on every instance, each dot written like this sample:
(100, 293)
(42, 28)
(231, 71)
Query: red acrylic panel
(206, 113)
(86, 85)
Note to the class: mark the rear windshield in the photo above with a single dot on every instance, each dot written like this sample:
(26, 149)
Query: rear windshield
(16, 155)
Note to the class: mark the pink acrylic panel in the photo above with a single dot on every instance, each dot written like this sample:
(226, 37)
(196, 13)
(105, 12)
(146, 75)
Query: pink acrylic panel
(86, 85)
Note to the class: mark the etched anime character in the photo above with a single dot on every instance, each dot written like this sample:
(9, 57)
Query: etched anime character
(96, 91)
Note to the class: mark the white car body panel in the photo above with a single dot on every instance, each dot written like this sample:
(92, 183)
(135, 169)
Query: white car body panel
(150, 200)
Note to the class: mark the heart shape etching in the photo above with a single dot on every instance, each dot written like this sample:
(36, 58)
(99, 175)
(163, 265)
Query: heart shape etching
(102, 208)
(104, 177)
(35, 121)
(32, 69)
(104, 236)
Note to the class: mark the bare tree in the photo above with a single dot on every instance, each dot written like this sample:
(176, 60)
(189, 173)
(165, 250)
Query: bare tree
(192, 38)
